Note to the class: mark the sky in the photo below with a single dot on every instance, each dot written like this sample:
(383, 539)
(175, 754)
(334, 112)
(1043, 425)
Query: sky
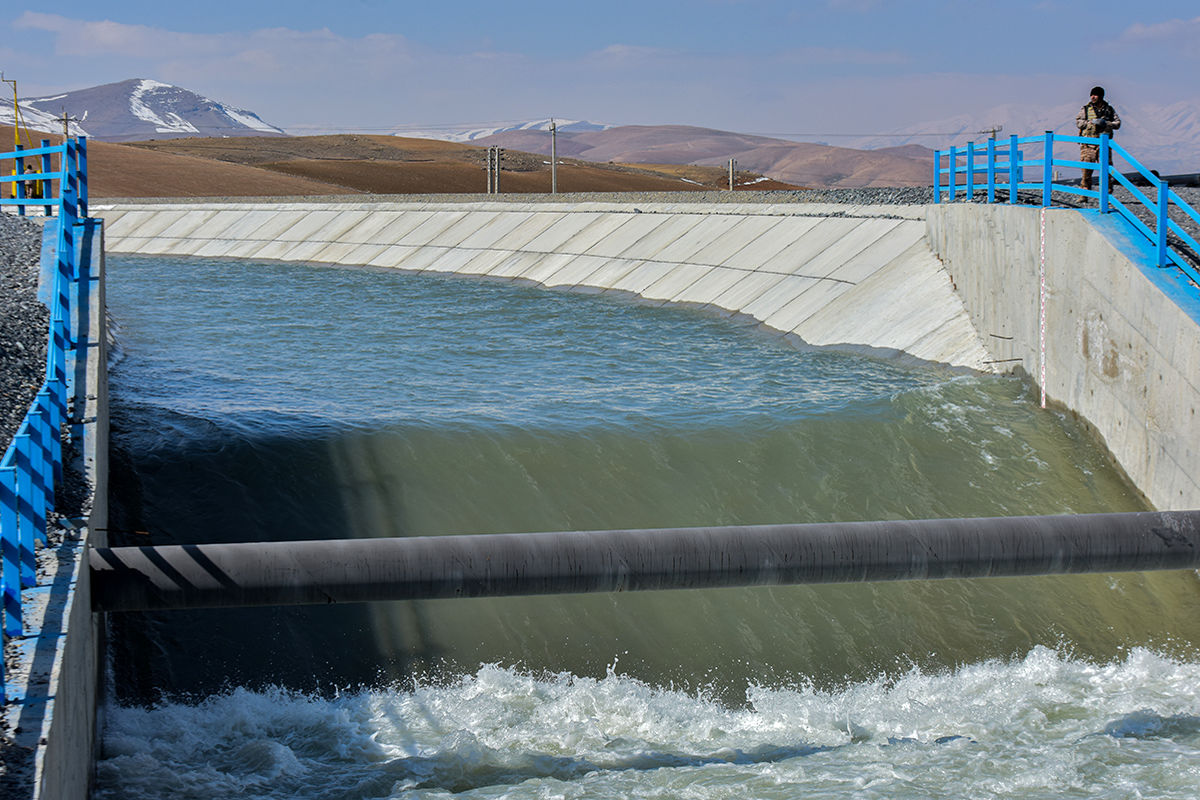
(821, 68)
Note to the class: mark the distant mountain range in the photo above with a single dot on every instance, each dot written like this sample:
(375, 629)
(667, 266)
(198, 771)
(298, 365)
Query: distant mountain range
(138, 109)
(1166, 138)
(450, 134)
(797, 163)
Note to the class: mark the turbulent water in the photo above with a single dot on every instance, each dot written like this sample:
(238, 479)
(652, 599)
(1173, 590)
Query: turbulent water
(269, 401)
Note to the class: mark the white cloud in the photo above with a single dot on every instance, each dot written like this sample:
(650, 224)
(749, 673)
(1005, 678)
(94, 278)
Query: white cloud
(82, 38)
(1176, 36)
(273, 49)
(629, 53)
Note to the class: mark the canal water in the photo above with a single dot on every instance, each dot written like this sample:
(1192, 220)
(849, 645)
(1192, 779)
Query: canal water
(266, 401)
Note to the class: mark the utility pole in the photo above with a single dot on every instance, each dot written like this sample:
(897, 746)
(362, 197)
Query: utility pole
(16, 112)
(732, 167)
(553, 157)
(66, 123)
(992, 131)
(493, 169)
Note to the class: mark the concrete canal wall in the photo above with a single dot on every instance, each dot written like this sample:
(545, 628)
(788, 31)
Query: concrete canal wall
(1122, 337)
(851, 276)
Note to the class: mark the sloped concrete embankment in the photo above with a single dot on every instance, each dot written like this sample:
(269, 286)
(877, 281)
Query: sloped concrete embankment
(855, 277)
(1122, 337)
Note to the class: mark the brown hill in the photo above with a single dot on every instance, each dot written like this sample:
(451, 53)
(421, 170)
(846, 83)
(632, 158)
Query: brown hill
(353, 164)
(117, 170)
(788, 162)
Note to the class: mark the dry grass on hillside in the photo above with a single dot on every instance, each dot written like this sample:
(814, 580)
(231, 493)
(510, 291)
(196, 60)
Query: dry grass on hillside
(355, 164)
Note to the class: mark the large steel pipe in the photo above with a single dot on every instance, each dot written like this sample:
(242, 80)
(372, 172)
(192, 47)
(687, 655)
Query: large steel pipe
(357, 570)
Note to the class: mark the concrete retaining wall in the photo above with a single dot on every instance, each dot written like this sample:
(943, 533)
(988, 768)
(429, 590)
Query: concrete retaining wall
(1122, 336)
(56, 675)
(848, 276)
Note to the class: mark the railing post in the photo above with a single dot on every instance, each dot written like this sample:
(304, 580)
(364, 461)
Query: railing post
(1048, 170)
(1105, 155)
(81, 171)
(43, 184)
(26, 516)
(51, 438)
(1162, 220)
(10, 549)
(953, 187)
(970, 172)
(1014, 159)
(66, 249)
(41, 491)
(937, 176)
(991, 169)
(19, 186)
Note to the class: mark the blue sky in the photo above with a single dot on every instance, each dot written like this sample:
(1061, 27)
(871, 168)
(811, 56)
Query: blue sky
(763, 66)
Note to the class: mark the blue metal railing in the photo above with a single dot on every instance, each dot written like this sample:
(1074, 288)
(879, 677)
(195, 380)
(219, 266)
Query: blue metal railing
(32, 465)
(1003, 166)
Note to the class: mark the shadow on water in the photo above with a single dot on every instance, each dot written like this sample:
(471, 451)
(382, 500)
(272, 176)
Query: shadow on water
(228, 486)
(228, 489)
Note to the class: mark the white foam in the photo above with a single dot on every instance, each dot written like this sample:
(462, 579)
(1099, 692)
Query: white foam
(1042, 726)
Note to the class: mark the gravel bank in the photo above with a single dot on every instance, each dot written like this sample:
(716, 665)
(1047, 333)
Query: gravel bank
(24, 322)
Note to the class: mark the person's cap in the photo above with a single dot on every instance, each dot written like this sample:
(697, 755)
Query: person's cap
(1098, 91)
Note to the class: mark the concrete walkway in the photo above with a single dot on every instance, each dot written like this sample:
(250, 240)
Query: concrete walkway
(853, 277)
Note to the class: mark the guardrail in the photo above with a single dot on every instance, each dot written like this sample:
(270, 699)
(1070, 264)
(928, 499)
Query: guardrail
(32, 465)
(1000, 168)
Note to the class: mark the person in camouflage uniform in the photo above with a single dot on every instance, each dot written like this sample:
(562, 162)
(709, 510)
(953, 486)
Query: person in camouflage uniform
(1093, 119)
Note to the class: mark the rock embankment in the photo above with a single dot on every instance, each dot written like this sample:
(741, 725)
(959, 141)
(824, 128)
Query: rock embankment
(24, 322)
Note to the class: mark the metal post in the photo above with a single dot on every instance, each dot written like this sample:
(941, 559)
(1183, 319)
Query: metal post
(1105, 155)
(1048, 170)
(19, 186)
(66, 235)
(970, 172)
(953, 190)
(1163, 222)
(49, 435)
(43, 184)
(732, 166)
(10, 548)
(39, 489)
(26, 519)
(1014, 159)
(553, 157)
(499, 155)
(991, 170)
(81, 148)
(937, 176)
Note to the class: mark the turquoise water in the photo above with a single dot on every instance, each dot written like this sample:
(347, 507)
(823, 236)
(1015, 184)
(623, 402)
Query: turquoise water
(272, 401)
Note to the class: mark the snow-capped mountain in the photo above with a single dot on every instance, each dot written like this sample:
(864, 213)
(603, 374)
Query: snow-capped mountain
(1163, 137)
(138, 109)
(470, 134)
